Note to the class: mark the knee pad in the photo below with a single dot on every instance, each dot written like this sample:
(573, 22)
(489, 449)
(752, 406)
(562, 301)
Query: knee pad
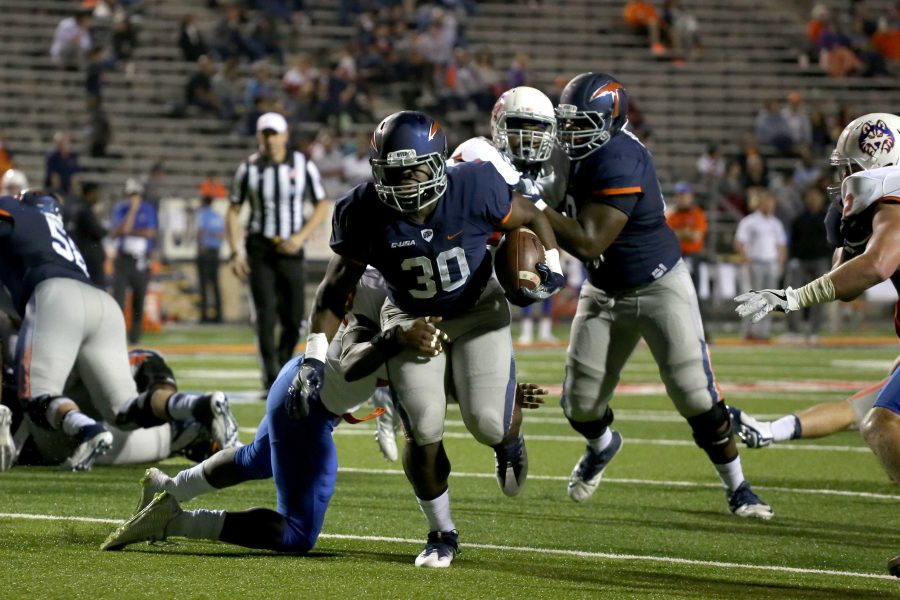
(593, 429)
(712, 429)
(37, 409)
(138, 412)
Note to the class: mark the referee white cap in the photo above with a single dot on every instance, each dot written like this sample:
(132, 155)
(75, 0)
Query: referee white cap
(273, 121)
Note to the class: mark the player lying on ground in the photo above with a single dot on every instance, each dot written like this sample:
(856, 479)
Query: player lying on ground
(298, 451)
(816, 421)
(67, 323)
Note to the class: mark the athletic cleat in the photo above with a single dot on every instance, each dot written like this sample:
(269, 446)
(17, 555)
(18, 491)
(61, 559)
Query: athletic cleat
(153, 482)
(742, 502)
(589, 469)
(894, 566)
(440, 550)
(386, 424)
(7, 445)
(149, 525)
(512, 466)
(753, 432)
(224, 427)
(93, 441)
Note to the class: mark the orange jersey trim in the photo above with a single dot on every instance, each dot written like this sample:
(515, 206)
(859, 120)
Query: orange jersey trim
(636, 189)
(891, 200)
(506, 218)
(3, 213)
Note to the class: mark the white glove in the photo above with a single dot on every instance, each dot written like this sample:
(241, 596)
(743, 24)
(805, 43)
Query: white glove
(757, 304)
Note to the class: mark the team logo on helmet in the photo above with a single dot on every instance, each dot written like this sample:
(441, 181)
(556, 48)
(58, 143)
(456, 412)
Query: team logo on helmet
(434, 129)
(876, 138)
(612, 88)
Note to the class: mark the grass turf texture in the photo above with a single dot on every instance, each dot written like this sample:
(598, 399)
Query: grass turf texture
(661, 499)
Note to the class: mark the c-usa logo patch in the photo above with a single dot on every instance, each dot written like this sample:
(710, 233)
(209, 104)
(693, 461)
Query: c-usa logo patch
(876, 138)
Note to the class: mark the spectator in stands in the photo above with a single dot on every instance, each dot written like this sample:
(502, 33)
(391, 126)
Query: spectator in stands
(818, 17)
(61, 165)
(836, 56)
(642, 17)
(290, 11)
(190, 39)
(326, 153)
(229, 37)
(821, 133)
(97, 65)
(469, 84)
(154, 184)
(135, 228)
(711, 165)
(797, 122)
(886, 41)
(807, 171)
(260, 87)
(733, 188)
(810, 255)
(213, 187)
(264, 41)
(87, 232)
(72, 40)
(124, 33)
(682, 29)
(301, 78)
(355, 166)
(519, 74)
(228, 88)
(756, 174)
(788, 197)
(772, 129)
(198, 92)
(98, 132)
(493, 80)
(210, 233)
(6, 156)
(761, 242)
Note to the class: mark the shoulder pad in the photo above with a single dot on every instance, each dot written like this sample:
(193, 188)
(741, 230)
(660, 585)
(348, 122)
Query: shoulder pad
(862, 190)
(480, 149)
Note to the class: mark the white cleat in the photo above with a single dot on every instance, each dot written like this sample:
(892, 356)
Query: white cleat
(149, 525)
(7, 445)
(386, 424)
(95, 441)
(753, 432)
(589, 469)
(743, 502)
(440, 550)
(224, 427)
(153, 482)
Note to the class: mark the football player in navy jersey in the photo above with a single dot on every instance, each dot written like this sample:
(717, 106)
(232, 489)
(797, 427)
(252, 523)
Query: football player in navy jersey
(425, 228)
(637, 287)
(67, 322)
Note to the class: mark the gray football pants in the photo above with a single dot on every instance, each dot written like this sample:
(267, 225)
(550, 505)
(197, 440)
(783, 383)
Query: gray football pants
(606, 331)
(69, 324)
(477, 363)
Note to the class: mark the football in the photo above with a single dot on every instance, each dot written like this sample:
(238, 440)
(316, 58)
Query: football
(515, 264)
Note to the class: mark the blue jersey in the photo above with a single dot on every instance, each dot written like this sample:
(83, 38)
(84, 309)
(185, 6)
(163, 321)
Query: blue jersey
(646, 249)
(34, 246)
(439, 267)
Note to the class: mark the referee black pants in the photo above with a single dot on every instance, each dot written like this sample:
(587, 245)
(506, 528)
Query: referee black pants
(277, 285)
(131, 273)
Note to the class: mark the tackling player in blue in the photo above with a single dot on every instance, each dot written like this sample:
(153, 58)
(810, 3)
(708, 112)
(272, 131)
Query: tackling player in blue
(637, 287)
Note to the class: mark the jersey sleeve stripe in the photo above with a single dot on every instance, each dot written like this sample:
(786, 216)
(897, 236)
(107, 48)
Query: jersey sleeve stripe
(891, 199)
(506, 218)
(5, 215)
(635, 189)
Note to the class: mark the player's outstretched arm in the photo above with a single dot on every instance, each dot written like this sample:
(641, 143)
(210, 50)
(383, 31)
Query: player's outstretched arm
(366, 347)
(587, 237)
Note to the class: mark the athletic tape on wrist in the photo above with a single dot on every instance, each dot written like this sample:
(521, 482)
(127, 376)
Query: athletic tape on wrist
(818, 291)
(316, 346)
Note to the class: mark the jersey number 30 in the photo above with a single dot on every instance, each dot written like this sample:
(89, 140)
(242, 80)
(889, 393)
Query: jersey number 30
(426, 279)
(63, 244)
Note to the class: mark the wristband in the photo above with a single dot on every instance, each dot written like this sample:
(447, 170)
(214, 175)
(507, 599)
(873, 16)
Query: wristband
(551, 258)
(540, 205)
(316, 346)
(818, 291)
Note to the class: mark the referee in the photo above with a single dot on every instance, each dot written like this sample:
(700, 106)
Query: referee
(275, 182)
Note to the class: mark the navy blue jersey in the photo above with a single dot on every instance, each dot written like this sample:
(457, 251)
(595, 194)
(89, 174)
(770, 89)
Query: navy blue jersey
(439, 267)
(646, 248)
(34, 246)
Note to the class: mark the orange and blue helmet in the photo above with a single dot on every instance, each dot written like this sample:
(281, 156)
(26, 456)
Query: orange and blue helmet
(593, 107)
(402, 142)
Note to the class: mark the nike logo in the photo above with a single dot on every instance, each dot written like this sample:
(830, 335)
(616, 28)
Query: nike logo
(450, 237)
(780, 296)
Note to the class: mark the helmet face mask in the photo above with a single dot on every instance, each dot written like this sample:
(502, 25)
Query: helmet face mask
(409, 153)
(523, 125)
(580, 132)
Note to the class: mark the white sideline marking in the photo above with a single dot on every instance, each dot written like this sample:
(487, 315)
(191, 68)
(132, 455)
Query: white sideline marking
(529, 550)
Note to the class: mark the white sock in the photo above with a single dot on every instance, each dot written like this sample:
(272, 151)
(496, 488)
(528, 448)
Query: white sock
(198, 524)
(190, 483)
(783, 429)
(180, 405)
(527, 329)
(731, 474)
(437, 512)
(545, 329)
(74, 421)
(599, 444)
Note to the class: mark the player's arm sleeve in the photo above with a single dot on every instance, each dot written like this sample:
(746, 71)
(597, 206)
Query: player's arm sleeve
(360, 352)
(315, 191)
(497, 194)
(619, 184)
(346, 239)
(833, 226)
(6, 223)
(239, 184)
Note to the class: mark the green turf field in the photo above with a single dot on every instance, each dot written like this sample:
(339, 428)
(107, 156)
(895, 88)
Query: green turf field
(657, 527)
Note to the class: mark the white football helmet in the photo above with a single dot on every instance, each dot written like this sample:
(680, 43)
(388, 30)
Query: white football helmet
(526, 115)
(14, 182)
(868, 142)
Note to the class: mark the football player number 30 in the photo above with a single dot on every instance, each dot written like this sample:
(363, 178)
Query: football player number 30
(427, 287)
(62, 244)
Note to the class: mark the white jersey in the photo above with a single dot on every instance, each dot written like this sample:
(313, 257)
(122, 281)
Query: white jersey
(340, 396)
(861, 190)
(481, 149)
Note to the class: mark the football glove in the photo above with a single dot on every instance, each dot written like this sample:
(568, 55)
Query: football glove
(552, 278)
(756, 304)
(305, 388)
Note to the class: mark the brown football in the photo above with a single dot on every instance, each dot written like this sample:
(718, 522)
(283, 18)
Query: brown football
(514, 263)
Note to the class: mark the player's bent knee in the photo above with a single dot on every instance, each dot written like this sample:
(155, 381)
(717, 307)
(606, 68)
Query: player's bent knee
(712, 429)
(297, 537)
(879, 424)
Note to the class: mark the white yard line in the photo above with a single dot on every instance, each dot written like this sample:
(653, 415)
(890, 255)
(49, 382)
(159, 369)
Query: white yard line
(530, 550)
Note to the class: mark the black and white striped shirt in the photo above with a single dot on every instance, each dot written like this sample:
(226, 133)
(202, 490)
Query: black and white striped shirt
(276, 192)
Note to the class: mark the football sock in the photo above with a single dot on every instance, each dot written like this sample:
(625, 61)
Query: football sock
(545, 329)
(527, 331)
(784, 428)
(437, 512)
(74, 421)
(197, 524)
(180, 405)
(599, 444)
(190, 483)
(731, 474)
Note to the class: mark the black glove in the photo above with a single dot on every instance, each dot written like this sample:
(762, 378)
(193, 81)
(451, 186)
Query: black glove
(305, 388)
